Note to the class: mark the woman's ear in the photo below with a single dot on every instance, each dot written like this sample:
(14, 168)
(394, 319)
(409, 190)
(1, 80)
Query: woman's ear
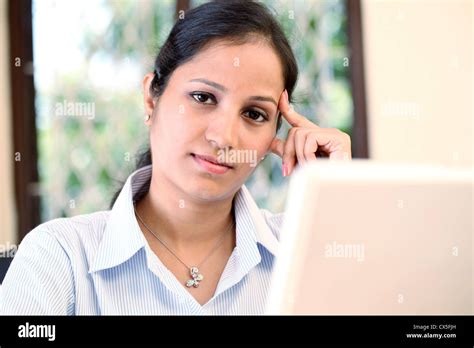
(148, 100)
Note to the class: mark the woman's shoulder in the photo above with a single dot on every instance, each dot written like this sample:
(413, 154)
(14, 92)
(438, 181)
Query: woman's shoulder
(45, 265)
(71, 232)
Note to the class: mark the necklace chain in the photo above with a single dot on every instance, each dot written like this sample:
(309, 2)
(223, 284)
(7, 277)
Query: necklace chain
(194, 270)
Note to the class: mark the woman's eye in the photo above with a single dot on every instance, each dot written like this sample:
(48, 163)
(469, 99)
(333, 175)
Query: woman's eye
(209, 99)
(203, 98)
(257, 116)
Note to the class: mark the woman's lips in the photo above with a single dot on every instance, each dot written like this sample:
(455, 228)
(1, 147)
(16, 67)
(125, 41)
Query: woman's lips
(210, 166)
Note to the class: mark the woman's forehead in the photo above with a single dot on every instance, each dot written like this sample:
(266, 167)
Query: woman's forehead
(250, 65)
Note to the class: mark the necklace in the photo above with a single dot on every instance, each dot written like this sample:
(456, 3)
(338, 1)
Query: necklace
(196, 277)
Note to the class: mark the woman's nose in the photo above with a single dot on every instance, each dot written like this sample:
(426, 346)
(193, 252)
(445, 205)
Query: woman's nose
(223, 131)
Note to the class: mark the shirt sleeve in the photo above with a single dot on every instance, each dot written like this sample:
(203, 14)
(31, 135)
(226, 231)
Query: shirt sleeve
(39, 280)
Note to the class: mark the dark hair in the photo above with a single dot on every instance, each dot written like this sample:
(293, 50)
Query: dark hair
(234, 22)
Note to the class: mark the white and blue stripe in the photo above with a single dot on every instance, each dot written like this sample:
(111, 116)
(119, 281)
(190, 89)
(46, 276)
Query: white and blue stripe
(101, 264)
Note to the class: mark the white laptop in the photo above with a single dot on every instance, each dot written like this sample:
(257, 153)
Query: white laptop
(371, 238)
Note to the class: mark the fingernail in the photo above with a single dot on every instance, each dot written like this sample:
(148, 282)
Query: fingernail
(286, 95)
(285, 169)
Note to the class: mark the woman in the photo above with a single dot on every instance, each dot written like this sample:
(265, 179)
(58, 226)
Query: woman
(184, 235)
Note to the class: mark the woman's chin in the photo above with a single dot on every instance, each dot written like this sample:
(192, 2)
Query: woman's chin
(207, 192)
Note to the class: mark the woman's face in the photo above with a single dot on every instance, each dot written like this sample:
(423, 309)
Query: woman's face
(222, 103)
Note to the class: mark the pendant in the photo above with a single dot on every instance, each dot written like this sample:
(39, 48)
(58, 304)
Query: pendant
(196, 277)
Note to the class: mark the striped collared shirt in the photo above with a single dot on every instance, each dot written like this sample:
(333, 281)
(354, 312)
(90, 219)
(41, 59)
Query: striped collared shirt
(101, 264)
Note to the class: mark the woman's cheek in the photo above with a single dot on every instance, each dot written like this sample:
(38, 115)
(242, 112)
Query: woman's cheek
(264, 145)
(257, 154)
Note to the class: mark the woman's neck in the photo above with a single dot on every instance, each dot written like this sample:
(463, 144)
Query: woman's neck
(184, 221)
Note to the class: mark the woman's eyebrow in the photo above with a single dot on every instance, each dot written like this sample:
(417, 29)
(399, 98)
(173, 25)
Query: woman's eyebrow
(267, 99)
(224, 89)
(211, 83)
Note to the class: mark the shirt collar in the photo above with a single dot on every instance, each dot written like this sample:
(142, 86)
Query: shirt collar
(122, 237)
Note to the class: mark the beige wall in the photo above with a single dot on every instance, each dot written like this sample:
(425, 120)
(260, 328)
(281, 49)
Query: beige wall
(419, 80)
(418, 64)
(7, 221)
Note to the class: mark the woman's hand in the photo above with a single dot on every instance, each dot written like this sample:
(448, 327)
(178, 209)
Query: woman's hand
(305, 140)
